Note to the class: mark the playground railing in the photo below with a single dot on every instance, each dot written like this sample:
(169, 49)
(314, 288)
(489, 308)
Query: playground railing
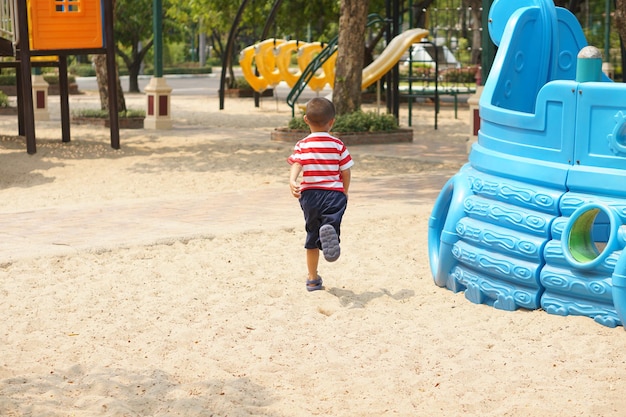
(309, 73)
(432, 83)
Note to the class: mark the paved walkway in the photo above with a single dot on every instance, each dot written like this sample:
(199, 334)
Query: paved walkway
(66, 230)
(55, 231)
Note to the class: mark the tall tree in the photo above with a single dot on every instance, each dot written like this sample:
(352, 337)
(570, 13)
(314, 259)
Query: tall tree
(100, 64)
(475, 7)
(133, 32)
(620, 23)
(350, 54)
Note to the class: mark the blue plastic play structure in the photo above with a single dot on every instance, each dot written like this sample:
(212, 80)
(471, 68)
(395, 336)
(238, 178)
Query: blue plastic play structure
(537, 217)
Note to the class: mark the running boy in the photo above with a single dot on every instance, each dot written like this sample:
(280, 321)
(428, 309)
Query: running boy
(324, 162)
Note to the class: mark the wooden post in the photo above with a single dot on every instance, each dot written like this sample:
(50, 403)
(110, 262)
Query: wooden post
(24, 69)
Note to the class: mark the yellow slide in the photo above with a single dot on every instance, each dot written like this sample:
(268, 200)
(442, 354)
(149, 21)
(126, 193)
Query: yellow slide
(391, 55)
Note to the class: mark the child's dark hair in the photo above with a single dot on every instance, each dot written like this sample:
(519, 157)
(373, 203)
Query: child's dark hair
(319, 111)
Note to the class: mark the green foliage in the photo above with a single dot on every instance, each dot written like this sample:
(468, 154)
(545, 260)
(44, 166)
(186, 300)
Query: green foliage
(213, 62)
(360, 121)
(419, 71)
(183, 21)
(298, 123)
(466, 75)
(53, 79)
(104, 114)
(4, 100)
(241, 82)
(463, 51)
(174, 52)
(355, 122)
(8, 79)
(82, 70)
(309, 20)
(183, 69)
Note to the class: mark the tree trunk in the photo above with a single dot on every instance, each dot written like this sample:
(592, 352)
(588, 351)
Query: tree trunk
(350, 56)
(201, 47)
(100, 64)
(133, 78)
(476, 24)
(134, 63)
(620, 24)
(620, 17)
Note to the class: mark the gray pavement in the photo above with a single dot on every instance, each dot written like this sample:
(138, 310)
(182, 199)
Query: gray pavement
(67, 230)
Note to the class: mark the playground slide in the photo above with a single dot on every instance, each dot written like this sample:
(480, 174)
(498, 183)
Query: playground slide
(391, 55)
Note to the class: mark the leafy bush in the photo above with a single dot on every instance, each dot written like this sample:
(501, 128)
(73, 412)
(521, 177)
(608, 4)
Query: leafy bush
(466, 75)
(355, 122)
(10, 79)
(181, 70)
(419, 71)
(87, 70)
(298, 123)
(104, 114)
(54, 79)
(82, 70)
(241, 82)
(4, 100)
(214, 62)
(365, 122)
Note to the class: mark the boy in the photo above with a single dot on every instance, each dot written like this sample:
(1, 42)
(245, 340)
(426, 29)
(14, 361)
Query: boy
(325, 163)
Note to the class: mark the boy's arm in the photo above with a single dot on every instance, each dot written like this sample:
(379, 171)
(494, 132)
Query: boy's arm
(294, 186)
(345, 177)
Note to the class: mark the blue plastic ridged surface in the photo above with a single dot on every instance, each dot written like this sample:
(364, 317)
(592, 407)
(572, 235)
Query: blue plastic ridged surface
(537, 217)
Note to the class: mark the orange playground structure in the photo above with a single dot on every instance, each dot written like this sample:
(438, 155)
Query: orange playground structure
(65, 24)
(55, 29)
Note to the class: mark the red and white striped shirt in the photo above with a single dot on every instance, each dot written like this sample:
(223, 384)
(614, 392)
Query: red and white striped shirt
(322, 157)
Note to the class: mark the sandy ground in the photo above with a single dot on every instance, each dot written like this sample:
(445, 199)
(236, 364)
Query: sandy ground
(167, 279)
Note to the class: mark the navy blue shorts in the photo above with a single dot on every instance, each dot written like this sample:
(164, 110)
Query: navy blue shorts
(321, 207)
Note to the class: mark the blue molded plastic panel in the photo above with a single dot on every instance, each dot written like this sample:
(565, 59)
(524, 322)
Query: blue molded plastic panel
(523, 69)
(601, 125)
(537, 218)
(571, 41)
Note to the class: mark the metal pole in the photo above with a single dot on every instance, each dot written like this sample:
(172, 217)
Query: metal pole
(396, 68)
(157, 23)
(229, 50)
(23, 73)
(112, 79)
(266, 29)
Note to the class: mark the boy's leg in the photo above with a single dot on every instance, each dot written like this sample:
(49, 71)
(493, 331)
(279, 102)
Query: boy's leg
(314, 281)
(336, 204)
(312, 260)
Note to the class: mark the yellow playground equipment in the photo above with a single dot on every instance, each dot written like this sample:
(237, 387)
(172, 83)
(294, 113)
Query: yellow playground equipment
(273, 58)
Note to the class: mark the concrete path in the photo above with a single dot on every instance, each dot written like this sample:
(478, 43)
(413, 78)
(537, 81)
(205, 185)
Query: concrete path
(65, 230)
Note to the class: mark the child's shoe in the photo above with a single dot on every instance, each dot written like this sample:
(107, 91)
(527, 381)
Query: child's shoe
(314, 284)
(330, 243)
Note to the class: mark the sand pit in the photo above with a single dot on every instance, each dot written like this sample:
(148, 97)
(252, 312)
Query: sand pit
(167, 279)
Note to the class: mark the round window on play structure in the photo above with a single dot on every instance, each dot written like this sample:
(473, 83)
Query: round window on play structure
(590, 236)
